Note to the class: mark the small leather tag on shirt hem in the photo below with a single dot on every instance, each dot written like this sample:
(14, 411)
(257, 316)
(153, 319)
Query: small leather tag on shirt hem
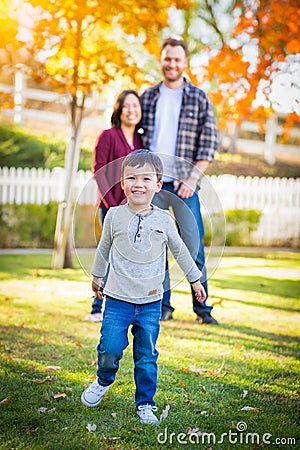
(153, 292)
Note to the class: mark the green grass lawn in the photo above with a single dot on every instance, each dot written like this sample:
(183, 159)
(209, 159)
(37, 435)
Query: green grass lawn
(207, 374)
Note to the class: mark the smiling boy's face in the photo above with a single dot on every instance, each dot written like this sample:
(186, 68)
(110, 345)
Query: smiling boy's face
(139, 185)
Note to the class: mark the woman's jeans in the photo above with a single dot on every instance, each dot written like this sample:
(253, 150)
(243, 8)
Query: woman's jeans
(190, 226)
(118, 316)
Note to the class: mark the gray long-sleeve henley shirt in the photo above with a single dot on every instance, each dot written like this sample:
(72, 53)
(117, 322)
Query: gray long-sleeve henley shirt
(135, 247)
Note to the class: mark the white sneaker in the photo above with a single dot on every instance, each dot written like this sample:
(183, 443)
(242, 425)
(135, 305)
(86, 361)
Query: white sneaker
(93, 395)
(97, 317)
(146, 415)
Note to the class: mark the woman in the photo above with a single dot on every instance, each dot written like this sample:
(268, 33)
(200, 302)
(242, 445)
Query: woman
(111, 147)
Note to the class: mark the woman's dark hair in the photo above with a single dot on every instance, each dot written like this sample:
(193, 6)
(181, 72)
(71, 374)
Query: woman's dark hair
(116, 115)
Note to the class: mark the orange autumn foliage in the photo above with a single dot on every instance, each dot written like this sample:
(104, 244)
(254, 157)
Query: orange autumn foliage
(86, 42)
(271, 28)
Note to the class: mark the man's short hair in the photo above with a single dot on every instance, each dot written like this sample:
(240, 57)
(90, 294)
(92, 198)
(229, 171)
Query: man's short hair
(139, 158)
(175, 43)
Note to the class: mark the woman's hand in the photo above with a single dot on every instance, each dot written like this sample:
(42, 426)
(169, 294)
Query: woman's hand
(97, 283)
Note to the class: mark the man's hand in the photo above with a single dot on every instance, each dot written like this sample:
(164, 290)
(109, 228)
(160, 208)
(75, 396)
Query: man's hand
(199, 291)
(97, 283)
(187, 187)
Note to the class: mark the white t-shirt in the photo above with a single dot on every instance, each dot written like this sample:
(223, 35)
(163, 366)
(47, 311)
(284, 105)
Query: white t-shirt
(166, 127)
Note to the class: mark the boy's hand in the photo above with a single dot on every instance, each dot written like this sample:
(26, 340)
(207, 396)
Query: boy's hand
(199, 291)
(96, 285)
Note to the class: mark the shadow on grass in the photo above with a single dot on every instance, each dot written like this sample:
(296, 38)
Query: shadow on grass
(263, 305)
(257, 303)
(237, 335)
(265, 285)
(26, 266)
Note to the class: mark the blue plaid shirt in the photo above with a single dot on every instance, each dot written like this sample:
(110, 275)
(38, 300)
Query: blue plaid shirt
(197, 138)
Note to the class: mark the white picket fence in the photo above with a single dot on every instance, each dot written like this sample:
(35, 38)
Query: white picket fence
(277, 198)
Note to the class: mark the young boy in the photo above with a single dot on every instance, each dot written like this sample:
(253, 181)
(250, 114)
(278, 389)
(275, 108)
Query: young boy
(134, 241)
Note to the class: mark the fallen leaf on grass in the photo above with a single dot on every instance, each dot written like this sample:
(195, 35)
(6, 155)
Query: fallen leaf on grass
(164, 413)
(59, 395)
(193, 369)
(186, 369)
(52, 356)
(239, 347)
(42, 410)
(114, 415)
(32, 431)
(113, 439)
(218, 302)
(294, 394)
(188, 399)
(194, 431)
(5, 400)
(91, 427)
(209, 372)
(182, 384)
(232, 425)
(250, 408)
(93, 363)
(49, 379)
(51, 368)
(262, 389)
(46, 340)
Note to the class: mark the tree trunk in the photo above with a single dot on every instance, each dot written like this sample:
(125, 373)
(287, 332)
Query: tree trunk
(68, 261)
(63, 249)
(233, 138)
(270, 139)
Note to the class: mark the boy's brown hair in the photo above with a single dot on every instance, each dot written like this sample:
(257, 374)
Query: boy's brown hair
(139, 158)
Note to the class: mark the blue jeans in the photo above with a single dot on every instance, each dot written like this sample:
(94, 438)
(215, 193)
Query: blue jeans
(97, 303)
(190, 226)
(118, 316)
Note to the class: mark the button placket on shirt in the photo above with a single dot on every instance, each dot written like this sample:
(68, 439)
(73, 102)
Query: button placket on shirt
(139, 230)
